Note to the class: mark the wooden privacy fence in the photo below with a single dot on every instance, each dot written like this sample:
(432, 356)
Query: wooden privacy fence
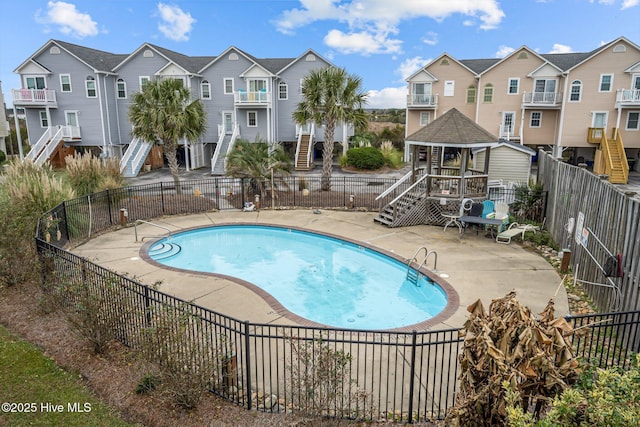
(599, 224)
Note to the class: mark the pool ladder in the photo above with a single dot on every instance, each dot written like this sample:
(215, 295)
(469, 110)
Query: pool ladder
(414, 274)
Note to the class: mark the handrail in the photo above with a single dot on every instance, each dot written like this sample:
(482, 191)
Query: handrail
(128, 154)
(49, 147)
(415, 184)
(415, 258)
(311, 134)
(435, 261)
(395, 185)
(232, 142)
(135, 228)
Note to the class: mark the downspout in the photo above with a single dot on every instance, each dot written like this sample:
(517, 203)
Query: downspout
(479, 77)
(104, 137)
(17, 122)
(522, 113)
(117, 103)
(108, 119)
(558, 148)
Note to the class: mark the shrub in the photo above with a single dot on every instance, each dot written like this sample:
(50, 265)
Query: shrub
(179, 344)
(392, 156)
(88, 174)
(3, 157)
(27, 191)
(369, 158)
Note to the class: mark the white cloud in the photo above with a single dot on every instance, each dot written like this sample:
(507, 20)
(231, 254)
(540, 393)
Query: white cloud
(626, 4)
(69, 20)
(561, 48)
(389, 97)
(430, 39)
(374, 21)
(504, 51)
(175, 24)
(362, 42)
(411, 65)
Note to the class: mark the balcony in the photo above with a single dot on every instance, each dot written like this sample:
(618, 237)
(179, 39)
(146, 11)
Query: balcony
(628, 98)
(252, 99)
(422, 101)
(34, 97)
(542, 100)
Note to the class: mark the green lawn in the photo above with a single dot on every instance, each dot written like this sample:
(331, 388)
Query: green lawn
(32, 382)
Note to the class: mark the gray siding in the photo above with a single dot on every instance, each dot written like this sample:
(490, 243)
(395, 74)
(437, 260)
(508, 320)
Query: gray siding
(507, 164)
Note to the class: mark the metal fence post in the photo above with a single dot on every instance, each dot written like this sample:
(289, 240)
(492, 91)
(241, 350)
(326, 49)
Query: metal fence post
(412, 373)
(162, 196)
(147, 306)
(247, 358)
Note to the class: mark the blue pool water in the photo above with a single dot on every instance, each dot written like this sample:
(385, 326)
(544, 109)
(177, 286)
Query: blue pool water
(323, 279)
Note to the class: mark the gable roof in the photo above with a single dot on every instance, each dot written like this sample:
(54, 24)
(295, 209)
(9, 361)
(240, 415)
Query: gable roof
(452, 129)
(509, 144)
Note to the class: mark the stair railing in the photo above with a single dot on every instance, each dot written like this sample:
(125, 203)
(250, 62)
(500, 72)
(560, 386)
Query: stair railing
(617, 140)
(50, 147)
(216, 153)
(128, 154)
(416, 188)
(40, 143)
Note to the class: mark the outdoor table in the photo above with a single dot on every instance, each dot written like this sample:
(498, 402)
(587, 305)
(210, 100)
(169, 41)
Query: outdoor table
(466, 219)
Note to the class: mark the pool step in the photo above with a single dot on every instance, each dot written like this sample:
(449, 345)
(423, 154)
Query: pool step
(164, 250)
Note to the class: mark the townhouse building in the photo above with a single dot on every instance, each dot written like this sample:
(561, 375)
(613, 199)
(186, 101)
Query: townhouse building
(77, 98)
(584, 107)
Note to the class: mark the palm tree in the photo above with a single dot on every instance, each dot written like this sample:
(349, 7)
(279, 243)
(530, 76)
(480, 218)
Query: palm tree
(161, 112)
(330, 95)
(258, 161)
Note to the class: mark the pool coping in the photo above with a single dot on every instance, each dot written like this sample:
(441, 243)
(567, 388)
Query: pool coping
(453, 299)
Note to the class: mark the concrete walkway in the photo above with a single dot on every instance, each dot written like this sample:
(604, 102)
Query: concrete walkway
(475, 266)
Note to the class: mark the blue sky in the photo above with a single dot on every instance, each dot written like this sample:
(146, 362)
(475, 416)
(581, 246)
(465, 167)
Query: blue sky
(382, 41)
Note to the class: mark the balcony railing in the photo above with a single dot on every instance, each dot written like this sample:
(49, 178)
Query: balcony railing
(542, 98)
(258, 97)
(506, 132)
(630, 97)
(36, 97)
(422, 100)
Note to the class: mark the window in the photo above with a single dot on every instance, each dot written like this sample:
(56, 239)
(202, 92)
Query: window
(536, 119)
(44, 121)
(283, 91)
(35, 82)
(633, 118)
(143, 81)
(65, 82)
(228, 86)
(487, 96)
(514, 86)
(425, 118)
(449, 87)
(90, 84)
(471, 95)
(205, 90)
(252, 119)
(445, 61)
(576, 91)
(600, 119)
(421, 93)
(523, 55)
(606, 82)
(121, 89)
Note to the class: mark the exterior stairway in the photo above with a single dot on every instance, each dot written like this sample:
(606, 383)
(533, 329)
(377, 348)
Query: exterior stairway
(406, 209)
(46, 147)
(611, 158)
(134, 158)
(220, 155)
(303, 162)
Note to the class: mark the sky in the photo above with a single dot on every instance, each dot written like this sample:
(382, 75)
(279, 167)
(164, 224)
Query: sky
(381, 41)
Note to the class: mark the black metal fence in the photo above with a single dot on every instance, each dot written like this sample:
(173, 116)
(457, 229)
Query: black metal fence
(401, 376)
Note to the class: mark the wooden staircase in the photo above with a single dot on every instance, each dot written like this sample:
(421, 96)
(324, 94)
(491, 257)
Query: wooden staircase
(406, 209)
(302, 160)
(610, 158)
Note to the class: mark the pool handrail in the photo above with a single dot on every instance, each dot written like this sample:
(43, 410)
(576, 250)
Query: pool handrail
(135, 228)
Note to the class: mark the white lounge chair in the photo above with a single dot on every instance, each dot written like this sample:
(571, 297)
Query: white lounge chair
(515, 230)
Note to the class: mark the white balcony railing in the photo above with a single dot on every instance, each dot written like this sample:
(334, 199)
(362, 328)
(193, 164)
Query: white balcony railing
(628, 96)
(259, 97)
(506, 132)
(34, 96)
(542, 98)
(71, 132)
(422, 100)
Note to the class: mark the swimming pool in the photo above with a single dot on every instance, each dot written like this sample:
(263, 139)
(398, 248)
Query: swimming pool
(320, 278)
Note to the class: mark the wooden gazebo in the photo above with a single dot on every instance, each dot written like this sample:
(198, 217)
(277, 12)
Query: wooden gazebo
(422, 195)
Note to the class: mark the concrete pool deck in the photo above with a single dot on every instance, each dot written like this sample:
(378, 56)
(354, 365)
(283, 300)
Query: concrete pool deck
(477, 267)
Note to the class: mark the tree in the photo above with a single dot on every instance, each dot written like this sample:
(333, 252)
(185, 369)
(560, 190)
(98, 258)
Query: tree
(330, 95)
(257, 161)
(161, 112)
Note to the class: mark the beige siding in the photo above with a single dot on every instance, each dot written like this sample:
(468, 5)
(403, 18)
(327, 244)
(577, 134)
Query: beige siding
(507, 164)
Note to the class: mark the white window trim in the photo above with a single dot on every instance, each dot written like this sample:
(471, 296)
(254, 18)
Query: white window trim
(517, 92)
(43, 119)
(141, 80)
(531, 120)
(35, 80)
(626, 125)
(593, 118)
(62, 86)
(208, 85)
(426, 114)
(86, 87)
(449, 88)
(579, 93)
(610, 83)
(224, 85)
(286, 91)
(249, 113)
(118, 90)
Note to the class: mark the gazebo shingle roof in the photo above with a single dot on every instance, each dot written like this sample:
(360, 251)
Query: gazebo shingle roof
(455, 129)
